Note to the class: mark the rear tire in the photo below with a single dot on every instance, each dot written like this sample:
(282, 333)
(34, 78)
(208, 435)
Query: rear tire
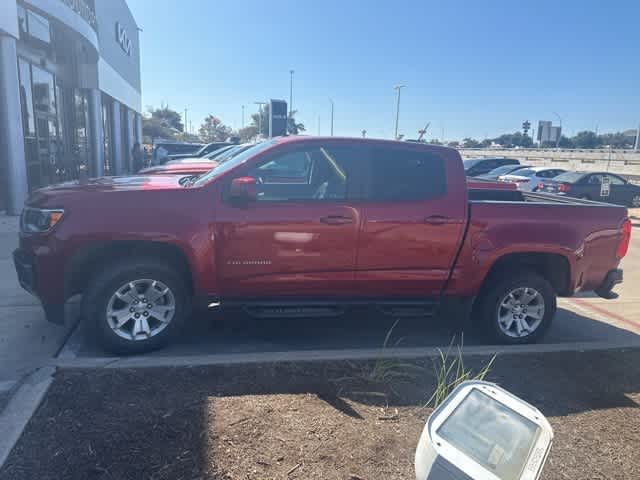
(518, 309)
(109, 301)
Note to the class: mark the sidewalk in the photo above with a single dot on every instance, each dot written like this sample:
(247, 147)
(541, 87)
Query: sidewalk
(27, 340)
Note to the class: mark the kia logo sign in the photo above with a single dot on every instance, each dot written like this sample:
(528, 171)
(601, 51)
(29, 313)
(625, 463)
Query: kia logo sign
(123, 39)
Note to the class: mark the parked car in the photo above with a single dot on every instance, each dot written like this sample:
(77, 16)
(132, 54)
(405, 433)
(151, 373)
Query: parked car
(206, 149)
(305, 226)
(503, 170)
(162, 150)
(480, 166)
(209, 156)
(528, 179)
(589, 186)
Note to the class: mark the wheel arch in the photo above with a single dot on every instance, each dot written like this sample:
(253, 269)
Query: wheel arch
(553, 267)
(87, 261)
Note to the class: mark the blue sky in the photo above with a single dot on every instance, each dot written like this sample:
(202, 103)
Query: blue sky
(474, 68)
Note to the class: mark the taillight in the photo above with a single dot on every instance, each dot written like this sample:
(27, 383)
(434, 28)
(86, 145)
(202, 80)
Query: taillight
(564, 187)
(624, 241)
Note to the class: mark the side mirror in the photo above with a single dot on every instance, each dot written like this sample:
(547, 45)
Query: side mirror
(243, 189)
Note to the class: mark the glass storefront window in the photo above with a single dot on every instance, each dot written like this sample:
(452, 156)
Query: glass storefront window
(22, 22)
(81, 146)
(26, 99)
(39, 28)
(44, 97)
(106, 129)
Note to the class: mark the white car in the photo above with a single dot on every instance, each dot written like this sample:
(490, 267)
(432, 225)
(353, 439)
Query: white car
(528, 179)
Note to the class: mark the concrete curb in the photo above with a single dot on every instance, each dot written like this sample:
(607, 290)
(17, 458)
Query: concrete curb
(21, 407)
(327, 355)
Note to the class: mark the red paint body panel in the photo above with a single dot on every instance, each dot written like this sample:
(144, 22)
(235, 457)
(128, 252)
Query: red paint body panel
(390, 250)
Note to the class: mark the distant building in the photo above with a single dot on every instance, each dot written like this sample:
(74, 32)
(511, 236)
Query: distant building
(70, 102)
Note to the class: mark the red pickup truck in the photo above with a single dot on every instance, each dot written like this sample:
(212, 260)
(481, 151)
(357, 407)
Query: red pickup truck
(305, 226)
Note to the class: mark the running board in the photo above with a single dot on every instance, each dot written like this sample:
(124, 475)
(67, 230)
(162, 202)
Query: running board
(292, 311)
(334, 308)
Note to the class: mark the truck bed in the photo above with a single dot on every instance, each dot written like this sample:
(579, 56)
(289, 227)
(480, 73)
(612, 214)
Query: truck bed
(516, 196)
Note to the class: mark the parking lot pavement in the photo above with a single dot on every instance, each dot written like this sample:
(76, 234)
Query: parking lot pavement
(27, 340)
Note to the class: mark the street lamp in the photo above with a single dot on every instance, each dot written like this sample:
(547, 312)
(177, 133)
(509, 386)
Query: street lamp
(560, 132)
(398, 88)
(242, 116)
(260, 104)
(331, 100)
(291, 93)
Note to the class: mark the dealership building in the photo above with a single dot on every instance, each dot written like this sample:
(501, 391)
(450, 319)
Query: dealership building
(70, 103)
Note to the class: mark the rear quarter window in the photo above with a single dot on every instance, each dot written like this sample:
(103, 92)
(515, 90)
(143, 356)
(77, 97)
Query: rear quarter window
(405, 175)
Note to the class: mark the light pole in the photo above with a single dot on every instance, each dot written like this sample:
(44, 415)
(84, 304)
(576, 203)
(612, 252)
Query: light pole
(637, 145)
(331, 100)
(291, 93)
(560, 133)
(184, 128)
(242, 117)
(398, 88)
(318, 125)
(260, 104)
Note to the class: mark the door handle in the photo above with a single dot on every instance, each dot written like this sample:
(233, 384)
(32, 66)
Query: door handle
(336, 220)
(438, 220)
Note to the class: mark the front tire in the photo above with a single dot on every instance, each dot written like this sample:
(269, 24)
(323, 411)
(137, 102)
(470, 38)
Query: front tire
(136, 306)
(518, 309)
(635, 201)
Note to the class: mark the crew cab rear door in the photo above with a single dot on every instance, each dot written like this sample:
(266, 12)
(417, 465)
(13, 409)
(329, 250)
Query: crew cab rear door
(299, 238)
(413, 219)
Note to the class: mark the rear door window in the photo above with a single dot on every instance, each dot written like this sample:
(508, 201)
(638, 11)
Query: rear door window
(399, 174)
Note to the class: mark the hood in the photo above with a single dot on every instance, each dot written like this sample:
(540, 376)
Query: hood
(104, 185)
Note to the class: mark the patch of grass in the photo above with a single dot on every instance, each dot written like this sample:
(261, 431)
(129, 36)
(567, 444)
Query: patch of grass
(383, 375)
(450, 372)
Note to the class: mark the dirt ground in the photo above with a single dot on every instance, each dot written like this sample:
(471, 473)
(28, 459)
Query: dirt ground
(312, 420)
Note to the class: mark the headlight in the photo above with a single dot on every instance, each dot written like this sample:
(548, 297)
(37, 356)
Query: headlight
(39, 220)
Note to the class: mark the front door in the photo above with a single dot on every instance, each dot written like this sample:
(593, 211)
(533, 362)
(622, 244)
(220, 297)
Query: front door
(299, 238)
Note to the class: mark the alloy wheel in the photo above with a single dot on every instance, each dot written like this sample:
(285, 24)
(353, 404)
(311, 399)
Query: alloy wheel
(140, 309)
(520, 312)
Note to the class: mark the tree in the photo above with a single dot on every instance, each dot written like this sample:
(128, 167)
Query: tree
(294, 128)
(435, 141)
(247, 133)
(161, 123)
(616, 140)
(565, 142)
(517, 139)
(166, 116)
(470, 143)
(213, 130)
(586, 139)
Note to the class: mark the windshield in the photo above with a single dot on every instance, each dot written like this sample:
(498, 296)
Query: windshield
(218, 152)
(470, 162)
(506, 169)
(569, 177)
(233, 162)
(525, 172)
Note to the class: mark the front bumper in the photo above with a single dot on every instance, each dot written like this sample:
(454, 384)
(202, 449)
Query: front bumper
(27, 271)
(611, 279)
